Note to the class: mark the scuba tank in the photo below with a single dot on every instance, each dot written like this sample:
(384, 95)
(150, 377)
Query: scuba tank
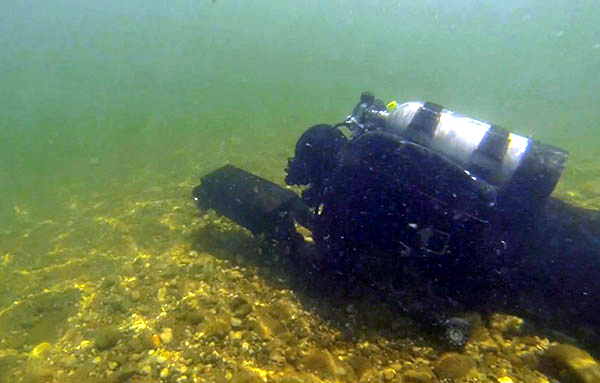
(503, 159)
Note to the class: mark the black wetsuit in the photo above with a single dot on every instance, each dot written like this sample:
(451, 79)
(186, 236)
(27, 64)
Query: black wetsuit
(387, 202)
(384, 210)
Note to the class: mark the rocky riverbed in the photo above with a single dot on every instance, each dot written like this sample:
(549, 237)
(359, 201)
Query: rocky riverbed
(146, 289)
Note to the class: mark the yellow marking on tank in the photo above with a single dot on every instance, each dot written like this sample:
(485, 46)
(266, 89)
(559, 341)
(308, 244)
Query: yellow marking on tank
(391, 106)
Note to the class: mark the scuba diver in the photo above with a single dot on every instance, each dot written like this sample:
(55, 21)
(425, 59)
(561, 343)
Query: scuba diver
(416, 197)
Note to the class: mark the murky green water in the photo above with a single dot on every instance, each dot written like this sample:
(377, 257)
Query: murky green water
(111, 111)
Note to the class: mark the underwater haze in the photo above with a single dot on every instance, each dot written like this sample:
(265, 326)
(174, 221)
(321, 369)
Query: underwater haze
(110, 111)
(93, 91)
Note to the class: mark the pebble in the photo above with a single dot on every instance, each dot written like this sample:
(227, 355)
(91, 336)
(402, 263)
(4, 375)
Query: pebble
(164, 372)
(453, 366)
(423, 375)
(488, 346)
(240, 307)
(166, 336)
(70, 361)
(161, 359)
(389, 373)
(85, 344)
(106, 337)
(506, 324)
(41, 350)
(236, 322)
(571, 364)
(146, 369)
(323, 362)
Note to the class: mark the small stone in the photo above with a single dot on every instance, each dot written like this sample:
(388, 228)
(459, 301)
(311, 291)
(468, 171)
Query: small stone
(360, 364)
(506, 324)
(146, 340)
(146, 369)
(116, 307)
(240, 307)
(41, 350)
(106, 337)
(453, 366)
(69, 361)
(280, 309)
(194, 317)
(488, 346)
(214, 328)
(570, 364)
(244, 376)
(530, 340)
(109, 282)
(162, 294)
(164, 372)
(166, 336)
(155, 341)
(423, 375)
(85, 344)
(324, 363)
(125, 373)
(161, 359)
(236, 322)
(389, 373)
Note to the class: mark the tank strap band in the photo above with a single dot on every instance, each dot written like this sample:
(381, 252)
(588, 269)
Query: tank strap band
(487, 158)
(423, 124)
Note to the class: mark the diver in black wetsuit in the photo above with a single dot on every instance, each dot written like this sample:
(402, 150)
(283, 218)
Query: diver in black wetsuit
(417, 187)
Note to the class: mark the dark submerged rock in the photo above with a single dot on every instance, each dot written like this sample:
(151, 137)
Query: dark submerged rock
(570, 364)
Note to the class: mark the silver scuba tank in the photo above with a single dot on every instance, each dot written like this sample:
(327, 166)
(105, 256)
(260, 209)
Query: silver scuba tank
(501, 158)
